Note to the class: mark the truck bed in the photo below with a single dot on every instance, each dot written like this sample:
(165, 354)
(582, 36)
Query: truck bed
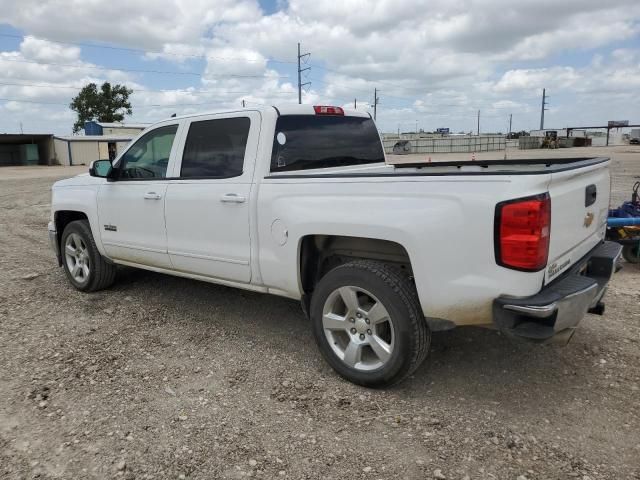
(465, 167)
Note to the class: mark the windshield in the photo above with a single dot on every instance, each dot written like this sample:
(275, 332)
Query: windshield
(302, 142)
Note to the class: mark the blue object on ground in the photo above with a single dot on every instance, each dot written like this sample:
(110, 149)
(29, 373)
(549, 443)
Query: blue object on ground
(623, 221)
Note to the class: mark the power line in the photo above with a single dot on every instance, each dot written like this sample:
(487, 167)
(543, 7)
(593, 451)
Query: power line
(300, 84)
(369, 80)
(178, 90)
(164, 72)
(133, 106)
(31, 101)
(151, 52)
(412, 99)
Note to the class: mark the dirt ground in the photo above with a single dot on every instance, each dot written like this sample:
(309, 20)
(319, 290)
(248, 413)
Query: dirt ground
(161, 377)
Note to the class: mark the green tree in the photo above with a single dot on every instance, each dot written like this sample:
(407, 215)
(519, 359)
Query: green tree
(109, 104)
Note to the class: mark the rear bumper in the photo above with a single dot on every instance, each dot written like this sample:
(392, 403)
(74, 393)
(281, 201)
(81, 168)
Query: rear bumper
(556, 310)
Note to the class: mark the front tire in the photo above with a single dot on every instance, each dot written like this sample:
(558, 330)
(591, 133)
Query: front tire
(86, 269)
(368, 324)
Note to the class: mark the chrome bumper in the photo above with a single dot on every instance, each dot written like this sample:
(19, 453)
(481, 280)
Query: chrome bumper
(558, 308)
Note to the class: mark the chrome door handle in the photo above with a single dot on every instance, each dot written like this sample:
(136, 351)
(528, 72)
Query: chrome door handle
(152, 196)
(232, 198)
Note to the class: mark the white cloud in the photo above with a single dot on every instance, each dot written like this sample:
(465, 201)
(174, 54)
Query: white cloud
(37, 49)
(435, 60)
(133, 23)
(532, 79)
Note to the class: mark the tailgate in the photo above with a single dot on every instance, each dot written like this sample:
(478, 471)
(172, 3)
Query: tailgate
(579, 210)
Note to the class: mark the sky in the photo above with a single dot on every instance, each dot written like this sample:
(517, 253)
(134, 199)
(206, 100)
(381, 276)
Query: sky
(435, 63)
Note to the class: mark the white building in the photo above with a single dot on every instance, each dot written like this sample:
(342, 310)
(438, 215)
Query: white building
(115, 128)
(83, 149)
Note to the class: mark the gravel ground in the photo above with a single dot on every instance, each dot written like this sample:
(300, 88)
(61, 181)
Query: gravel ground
(161, 377)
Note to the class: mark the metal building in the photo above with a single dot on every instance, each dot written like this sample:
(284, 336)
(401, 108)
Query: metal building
(116, 128)
(26, 149)
(83, 149)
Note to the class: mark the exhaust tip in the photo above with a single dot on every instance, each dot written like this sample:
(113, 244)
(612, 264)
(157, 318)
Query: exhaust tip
(598, 309)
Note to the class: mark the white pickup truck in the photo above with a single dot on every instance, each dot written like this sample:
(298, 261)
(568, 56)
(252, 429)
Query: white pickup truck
(297, 201)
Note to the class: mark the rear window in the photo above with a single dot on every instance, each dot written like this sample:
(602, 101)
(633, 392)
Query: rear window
(303, 142)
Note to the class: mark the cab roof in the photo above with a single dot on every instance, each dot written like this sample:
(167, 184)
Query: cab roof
(281, 109)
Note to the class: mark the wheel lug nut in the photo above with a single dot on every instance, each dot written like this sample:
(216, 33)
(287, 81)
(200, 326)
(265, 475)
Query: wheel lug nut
(362, 336)
(353, 330)
(368, 332)
(367, 321)
(352, 320)
(359, 315)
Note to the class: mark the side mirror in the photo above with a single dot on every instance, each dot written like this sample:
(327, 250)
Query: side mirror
(100, 168)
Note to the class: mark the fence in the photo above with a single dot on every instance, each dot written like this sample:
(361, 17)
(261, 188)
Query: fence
(529, 143)
(405, 144)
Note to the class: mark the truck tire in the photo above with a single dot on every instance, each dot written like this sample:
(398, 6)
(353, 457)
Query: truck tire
(368, 323)
(86, 269)
(631, 253)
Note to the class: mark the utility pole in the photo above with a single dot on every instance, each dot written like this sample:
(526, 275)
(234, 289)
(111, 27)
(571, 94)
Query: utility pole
(355, 103)
(243, 103)
(510, 118)
(376, 101)
(544, 103)
(478, 122)
(300, 70)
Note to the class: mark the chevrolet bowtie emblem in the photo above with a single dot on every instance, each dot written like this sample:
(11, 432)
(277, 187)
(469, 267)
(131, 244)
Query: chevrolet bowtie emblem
(588, 220)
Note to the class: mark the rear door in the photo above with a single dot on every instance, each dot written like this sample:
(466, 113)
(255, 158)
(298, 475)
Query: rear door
(208, 204)
(579, 210)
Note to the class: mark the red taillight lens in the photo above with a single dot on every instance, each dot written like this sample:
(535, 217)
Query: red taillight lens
(326, 110)
(522, 233)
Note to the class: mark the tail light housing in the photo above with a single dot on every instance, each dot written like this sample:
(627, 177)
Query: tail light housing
(522, 233)
(327, 110)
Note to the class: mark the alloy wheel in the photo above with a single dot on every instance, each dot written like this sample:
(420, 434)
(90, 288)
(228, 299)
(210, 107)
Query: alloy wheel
(358, 328)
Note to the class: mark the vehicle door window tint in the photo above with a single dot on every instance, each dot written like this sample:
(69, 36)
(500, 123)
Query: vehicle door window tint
(149, 156)
(215, 148)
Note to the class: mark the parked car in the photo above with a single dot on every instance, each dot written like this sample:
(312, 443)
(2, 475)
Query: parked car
(297, 201)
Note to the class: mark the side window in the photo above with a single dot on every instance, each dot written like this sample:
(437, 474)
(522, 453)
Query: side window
(149, 156)
(215, 148)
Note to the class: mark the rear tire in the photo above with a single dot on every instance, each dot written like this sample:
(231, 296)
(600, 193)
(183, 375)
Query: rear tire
(631, 253)
(368, 323)
(86, 269)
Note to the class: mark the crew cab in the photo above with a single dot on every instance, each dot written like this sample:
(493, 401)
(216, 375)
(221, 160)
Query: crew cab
(298, 201)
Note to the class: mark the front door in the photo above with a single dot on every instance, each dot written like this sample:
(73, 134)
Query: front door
(131, 207)
(208, 205)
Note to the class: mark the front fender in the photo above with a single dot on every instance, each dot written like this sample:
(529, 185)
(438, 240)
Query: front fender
(79, 198)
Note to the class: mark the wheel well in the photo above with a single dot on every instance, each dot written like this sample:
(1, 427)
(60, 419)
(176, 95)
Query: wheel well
(63, 218)
(321, 253)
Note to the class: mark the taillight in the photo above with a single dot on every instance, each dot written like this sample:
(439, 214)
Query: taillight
(326, 110)
(522, 232)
